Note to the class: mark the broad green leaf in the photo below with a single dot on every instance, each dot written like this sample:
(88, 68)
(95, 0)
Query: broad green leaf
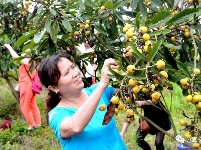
(109, 4)
(48, 23)
(152, 52)
(183, 68)
(118, 4)
(160, 32)
(63, 14)
(137, 54)
(197, 27)
(119, 17)
(134, 4)
(137, 23)
(101, 29)
(24, 38)
(38, 36)
(156, 5)
(160, 16)
(142, 8)
(81, 5)
(54, 32)
(67, 25)
(53, 12)
(185, 16)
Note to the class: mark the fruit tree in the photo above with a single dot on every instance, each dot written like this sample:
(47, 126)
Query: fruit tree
(155, 42)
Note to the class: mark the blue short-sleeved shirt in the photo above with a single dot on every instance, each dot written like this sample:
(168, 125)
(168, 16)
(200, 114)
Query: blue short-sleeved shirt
(95, 136)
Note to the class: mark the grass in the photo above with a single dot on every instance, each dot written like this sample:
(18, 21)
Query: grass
(43, 138)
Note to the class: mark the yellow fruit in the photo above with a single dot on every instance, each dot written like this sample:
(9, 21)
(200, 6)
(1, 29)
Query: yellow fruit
(110, 18)
(148, 42)
(87, 21)
(196, 145)
(86, 26)
(120, 106)
(189, 98)
(196, 98)
(143, 29)
(199, 1)
(132, 82)
(164, 73)
(102, 7)
(87, 32)
(115, 100)
(173, 39)
(45, 2)
(26, 3)
(127, 100)
(136, 89)
(182, 122)
(172, 49)
(188, 135)
(198, 105)
(129, 34)
(145, 90)
(156, 95)
(183, 82)
(131, 29)
(130, 69)
(146, 37)
(130, 52)
(76, 33)
(125, 29)
(186, 34)
(116, 111)
(174, 13)
(102, 107)
(129, 112)
(128, 25)
(160, 64)
(196, 71)
(153, 87)
(190, 1)
(146, 49)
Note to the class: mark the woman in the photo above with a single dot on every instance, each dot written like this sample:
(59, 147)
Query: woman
(156, 114)
(28, 103)
(73, 111)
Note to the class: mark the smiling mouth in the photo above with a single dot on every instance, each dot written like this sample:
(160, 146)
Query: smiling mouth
(79, 79)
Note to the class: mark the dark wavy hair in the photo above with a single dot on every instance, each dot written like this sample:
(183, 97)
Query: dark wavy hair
(49, 75)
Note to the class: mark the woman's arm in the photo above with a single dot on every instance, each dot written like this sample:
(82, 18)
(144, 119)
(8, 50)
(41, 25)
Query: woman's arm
(124, 128)
(142, 103)
(14, 55)
(73, 125)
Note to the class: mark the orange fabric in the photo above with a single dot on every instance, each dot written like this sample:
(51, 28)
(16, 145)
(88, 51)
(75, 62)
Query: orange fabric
(28, 103)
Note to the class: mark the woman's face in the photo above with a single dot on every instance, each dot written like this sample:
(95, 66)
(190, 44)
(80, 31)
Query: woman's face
(70, 79)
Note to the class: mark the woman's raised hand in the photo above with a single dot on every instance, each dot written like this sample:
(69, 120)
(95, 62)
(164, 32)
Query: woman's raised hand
(105, 72)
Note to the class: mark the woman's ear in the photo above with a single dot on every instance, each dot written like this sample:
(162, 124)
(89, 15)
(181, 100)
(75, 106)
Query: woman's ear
(53, 88)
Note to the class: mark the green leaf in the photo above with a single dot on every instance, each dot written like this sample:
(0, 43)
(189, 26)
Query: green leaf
(137, 18)
(109, 4)
(24, 38)
(101, 29)
(152, 52)
(38, 36)
(54, 32)
(197, 27)
(48, 23)
(67, 25)
(160, 16)
(142, 8)
(185, 16)
(137, 53)
(183, 68)
(53, 12)
(119, 16)
(134, 4)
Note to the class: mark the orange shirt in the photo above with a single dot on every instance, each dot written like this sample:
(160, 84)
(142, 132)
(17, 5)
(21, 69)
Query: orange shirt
(23, 76)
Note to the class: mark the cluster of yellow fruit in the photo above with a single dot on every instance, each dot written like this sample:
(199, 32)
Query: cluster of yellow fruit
(188, 134)
(129, 31)
(193, 97)
(160, 64)
(84, 27)
(26, 5)
(186, 31)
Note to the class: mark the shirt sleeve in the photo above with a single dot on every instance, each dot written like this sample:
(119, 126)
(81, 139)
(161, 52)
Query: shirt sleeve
(55, 119)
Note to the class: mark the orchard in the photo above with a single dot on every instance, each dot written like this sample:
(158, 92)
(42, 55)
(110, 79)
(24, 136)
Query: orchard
(156, 43)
